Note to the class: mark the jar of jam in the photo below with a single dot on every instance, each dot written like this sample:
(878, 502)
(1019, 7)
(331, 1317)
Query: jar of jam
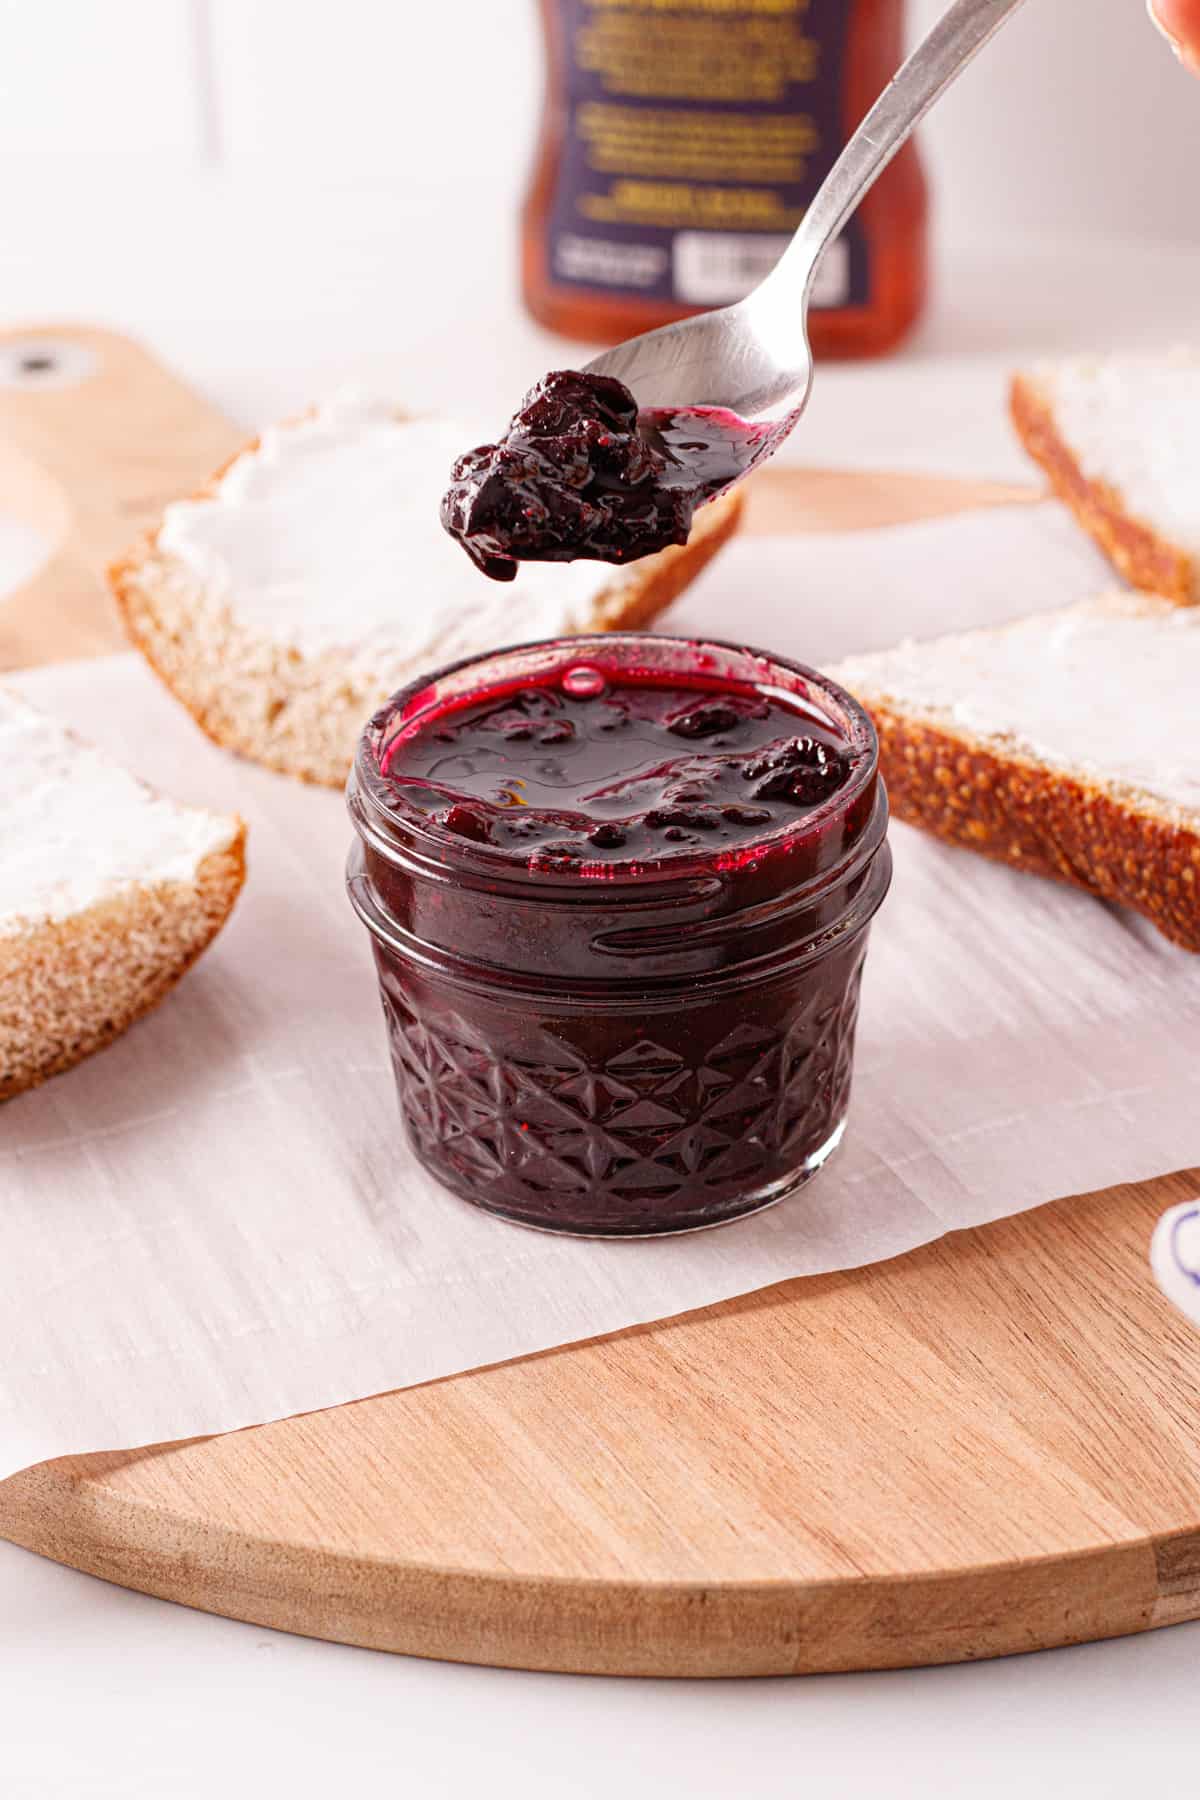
(680, 146)
(618, 889)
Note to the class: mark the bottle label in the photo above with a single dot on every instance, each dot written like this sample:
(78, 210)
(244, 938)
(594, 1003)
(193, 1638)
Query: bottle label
(696, 134)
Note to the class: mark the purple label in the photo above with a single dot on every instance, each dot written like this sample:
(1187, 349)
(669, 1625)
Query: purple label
(697, 133)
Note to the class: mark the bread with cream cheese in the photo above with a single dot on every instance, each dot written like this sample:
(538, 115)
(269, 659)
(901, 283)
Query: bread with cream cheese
(1119, 439)
(1063, 744)
(108, 894)
(311, 579)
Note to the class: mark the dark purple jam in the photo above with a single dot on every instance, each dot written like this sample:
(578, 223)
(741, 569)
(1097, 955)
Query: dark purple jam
(619, 891)
(580, 472)
(583, 769)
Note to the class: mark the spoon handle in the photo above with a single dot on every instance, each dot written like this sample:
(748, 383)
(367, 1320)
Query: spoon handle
(957, 37)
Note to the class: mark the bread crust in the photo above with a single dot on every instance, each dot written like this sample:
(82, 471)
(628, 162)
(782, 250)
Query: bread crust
(69, 987)
(1142, 555)
(302, 716)
(1007, 805)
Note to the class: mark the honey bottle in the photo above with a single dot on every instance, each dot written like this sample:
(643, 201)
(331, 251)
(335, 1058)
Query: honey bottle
(681, 142)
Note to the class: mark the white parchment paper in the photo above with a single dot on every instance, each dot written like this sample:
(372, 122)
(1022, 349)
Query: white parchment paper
(217, 1222)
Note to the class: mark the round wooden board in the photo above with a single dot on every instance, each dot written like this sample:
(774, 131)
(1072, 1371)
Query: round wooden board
(986, 1446)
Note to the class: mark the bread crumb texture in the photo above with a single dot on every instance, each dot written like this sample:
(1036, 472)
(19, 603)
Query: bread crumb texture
(70, 986)
(1019, 741)
(298, 706)
(108, 894)
(1016, 811)
(1119, 441)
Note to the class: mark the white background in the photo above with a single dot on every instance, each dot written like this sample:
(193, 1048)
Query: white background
(1076, 123)
(277, 193)
(104, 1693)
(284, 194)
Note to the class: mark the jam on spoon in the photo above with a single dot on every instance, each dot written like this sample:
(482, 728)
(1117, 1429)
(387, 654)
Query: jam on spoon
(580, 472)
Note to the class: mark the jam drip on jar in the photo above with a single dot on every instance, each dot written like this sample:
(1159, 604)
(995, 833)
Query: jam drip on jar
(580, 472)
(590, 768)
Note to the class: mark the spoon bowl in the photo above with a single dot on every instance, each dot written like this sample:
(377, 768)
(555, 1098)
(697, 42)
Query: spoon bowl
(753, 358)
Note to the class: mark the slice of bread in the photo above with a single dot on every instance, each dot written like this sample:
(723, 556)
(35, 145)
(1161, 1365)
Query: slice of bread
(312, 578)
(1065, 744)
(108, 893)
(1119, 438)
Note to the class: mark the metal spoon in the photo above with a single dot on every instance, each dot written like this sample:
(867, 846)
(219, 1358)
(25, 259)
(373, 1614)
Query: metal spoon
(754, 358)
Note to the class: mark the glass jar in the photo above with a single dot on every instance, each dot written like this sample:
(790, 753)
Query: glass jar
(680, 145)
(647, 1048)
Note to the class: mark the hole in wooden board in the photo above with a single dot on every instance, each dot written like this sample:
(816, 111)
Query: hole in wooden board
(33, 364)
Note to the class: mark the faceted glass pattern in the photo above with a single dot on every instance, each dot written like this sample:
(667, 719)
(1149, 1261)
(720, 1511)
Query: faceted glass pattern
(671, 1131)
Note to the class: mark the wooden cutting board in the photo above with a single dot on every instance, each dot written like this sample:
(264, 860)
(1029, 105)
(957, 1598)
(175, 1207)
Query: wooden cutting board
(989, 1445)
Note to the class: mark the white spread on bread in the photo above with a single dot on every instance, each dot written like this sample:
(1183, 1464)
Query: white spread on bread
(326, 536)
(75, 827)
(1108, 688)
(1133, 423)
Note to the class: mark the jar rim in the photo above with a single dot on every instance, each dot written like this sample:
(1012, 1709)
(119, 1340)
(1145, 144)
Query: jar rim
(372, 798)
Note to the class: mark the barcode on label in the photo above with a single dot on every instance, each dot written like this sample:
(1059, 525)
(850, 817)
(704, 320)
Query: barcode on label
(597, 262)
(713, 267)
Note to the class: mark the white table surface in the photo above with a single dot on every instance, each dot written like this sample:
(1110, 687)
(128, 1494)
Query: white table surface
(108, 1693)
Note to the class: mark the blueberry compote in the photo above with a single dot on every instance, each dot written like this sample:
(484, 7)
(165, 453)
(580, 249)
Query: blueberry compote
(580, 769)
(619, 890)
(580, 472)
